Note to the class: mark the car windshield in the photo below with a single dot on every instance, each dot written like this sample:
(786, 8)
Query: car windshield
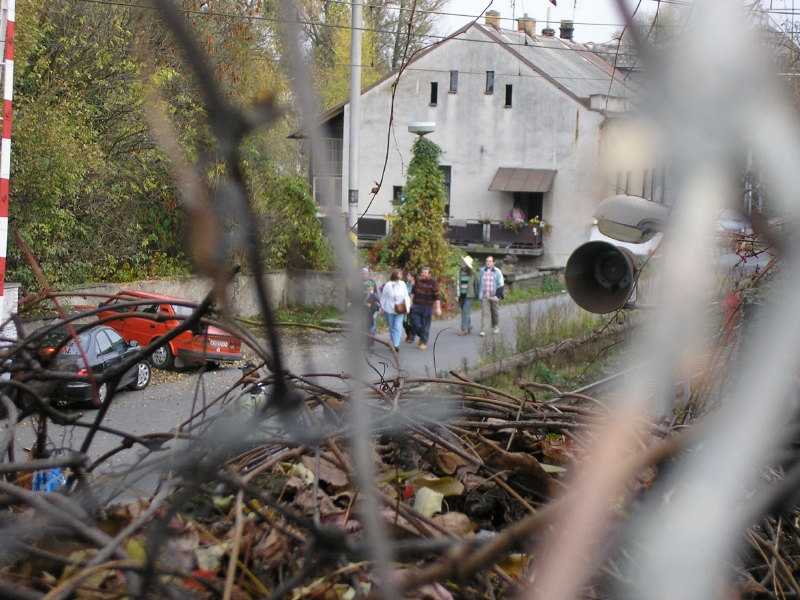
(183, 311)
(114, 305)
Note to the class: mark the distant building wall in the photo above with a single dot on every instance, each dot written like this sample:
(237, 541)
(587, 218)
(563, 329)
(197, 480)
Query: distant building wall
(543, 129)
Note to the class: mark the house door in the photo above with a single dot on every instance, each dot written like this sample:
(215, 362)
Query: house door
(530, 203)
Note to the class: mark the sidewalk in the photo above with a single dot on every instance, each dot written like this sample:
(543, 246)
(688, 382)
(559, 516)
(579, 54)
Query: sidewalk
(449, 351)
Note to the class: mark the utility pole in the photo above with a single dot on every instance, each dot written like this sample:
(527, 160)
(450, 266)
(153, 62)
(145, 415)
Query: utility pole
(7, 22)
(355, 114)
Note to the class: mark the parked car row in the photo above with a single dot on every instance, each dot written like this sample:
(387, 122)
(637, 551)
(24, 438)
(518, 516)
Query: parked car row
(202, 344)
(105, 346)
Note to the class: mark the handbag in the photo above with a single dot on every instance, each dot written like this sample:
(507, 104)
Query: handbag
(399, 307)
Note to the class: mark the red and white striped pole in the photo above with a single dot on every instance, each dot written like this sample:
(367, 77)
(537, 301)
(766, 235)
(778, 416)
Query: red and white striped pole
(7, 20)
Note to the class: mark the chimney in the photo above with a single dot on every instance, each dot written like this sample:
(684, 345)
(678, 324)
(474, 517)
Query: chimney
(549, 31)
(492, 19)
(566, 30)
(526, 25)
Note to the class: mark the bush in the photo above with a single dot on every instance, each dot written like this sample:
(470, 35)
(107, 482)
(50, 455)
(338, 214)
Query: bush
(292, 233)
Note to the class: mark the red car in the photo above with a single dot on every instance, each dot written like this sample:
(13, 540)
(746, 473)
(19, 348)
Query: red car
(209, 344)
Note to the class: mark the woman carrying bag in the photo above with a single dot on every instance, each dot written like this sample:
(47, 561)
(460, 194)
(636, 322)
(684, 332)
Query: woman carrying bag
(395, 303)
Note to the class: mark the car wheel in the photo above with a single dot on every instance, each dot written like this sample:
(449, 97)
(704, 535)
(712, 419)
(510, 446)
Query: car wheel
(143, 374)
(162, 358)
(102, 393)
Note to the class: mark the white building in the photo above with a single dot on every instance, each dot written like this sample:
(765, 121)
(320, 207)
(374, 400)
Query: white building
(520, 118)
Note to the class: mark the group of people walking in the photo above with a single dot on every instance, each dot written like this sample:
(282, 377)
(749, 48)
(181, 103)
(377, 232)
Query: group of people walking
(486, 285)
(411, 304)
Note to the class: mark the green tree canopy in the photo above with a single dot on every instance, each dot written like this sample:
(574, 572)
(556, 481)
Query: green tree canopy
(92, 194)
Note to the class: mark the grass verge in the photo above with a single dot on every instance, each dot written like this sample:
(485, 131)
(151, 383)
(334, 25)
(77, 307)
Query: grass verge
(572, 365)
(307, 315)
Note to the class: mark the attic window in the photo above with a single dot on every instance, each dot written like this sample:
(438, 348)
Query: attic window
(509, 95)
(490, 82)
(453, 82)
(434, 93)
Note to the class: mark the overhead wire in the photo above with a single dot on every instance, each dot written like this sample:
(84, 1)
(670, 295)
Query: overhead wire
(431, 38)
(316, 23)
(596, 47)
(349, 3)
(421, 36)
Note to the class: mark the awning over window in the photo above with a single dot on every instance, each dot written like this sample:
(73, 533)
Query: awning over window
(522, 180)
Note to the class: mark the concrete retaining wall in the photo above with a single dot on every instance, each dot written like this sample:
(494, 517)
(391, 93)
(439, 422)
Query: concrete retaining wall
(310, 288)
(285, 288)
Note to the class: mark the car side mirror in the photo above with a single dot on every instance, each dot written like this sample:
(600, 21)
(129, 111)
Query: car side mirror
(133, 344)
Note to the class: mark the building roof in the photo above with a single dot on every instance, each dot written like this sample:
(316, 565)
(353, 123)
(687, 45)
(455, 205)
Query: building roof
(572, 67)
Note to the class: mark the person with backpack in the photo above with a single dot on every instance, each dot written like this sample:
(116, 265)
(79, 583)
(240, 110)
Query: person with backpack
(467, 282)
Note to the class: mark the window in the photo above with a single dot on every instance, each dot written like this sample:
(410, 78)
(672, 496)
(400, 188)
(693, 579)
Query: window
(180, 310)
(434, 93)
(453, 82)
(330, 163)
(397, 195)
(103, 344)
(117, 342)
(446, 171)
(509, 95)
(490, 82)
(112, 305)
(327, 189)
(327, 181)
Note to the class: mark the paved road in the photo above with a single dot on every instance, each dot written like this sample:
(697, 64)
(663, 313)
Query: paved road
(166, 404)
(447, 350)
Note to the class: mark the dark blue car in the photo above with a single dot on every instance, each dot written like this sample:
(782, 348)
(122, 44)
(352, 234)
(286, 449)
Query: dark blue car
(104, 348)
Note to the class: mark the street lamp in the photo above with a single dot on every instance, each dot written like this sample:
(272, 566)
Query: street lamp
(421, 128)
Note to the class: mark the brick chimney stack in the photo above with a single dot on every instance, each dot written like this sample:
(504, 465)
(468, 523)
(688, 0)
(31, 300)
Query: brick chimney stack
(526, 25)
(492, 19)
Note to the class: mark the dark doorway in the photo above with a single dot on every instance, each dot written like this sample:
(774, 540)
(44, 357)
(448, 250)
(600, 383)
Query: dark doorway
(530, 203)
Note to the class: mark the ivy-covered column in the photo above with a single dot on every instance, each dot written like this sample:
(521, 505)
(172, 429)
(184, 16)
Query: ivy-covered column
(418, 233)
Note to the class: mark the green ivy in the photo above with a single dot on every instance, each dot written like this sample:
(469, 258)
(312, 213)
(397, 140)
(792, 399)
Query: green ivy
(418, 233)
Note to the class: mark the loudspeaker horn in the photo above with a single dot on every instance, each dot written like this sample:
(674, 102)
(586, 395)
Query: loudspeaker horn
(600, 276)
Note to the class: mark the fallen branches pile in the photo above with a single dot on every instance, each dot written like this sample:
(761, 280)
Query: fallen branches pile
(254, 496)
(263, 498)
(345, 485)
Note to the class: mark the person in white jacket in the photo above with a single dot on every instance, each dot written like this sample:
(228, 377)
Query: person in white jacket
(395, 293)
